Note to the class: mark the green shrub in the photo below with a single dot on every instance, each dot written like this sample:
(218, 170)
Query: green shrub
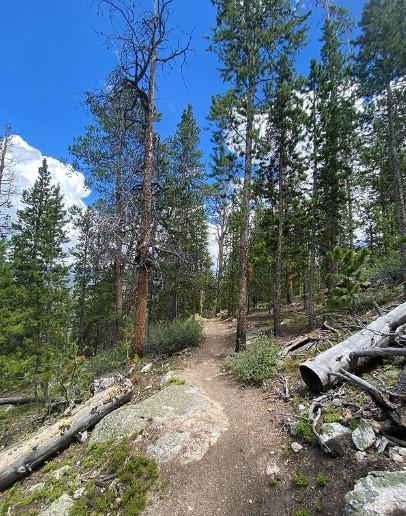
(299, 479)
(322, 479)
(304, 430)
(135, 474)
(386, 269)
(257, 363)
(166, 338)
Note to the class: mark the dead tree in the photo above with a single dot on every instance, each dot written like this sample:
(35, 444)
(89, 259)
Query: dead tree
(317, 372)
(20, 459)
(144, 46)
(7, 177)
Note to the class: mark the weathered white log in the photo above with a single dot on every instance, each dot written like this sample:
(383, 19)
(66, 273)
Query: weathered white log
(21, 458)
(316, 373)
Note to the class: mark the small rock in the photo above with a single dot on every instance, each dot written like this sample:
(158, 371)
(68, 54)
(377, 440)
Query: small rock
(336, 437)
(147, 368)
(301, 407)
(35, 487)
(292, 425)
(296, 447)
(380, 493)
(397, 454)
(148, 387)
(60, 507)
(273, 471)
(61, 471)
(79, 493)
(360, 456)
(363, 436)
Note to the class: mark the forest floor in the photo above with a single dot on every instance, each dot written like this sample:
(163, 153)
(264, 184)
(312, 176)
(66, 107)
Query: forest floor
(231, 478)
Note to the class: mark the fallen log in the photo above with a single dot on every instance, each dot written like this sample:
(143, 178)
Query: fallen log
(378, 353)
(21, 458)
(18, 400)
(316, 373)
(298, 343)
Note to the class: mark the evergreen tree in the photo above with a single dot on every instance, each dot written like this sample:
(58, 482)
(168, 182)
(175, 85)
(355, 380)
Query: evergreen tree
(183, 251)
(248, 38)
(335, 138)
(381, 65)
(38, 263)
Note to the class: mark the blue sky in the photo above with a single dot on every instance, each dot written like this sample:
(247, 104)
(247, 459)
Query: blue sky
(52, 51)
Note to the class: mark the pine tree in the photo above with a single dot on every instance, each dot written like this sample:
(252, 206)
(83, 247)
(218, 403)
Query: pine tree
(335, 138)
(381, 64)
(39, 268)
(248, 37)
(183, 251)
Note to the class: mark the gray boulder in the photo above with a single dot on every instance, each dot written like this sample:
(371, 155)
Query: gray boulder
(336, 437)
(182, 421)
(380, 493)
(363, 436)
(60, 507)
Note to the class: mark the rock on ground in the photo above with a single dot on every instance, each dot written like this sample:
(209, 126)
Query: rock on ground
(363, 436)
(332, 431)
(183, 421)
(380, 493)
(60, 507)
(336, 436)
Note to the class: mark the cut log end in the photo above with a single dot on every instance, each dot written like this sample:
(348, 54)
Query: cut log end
(311, 378)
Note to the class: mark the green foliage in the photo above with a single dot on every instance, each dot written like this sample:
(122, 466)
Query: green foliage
(301, 512)
(304, 430)
(322, 479)
(135, 474)
(299, 479)
(166, 338)
(34, 321)
(331, 414)
(349, 277)
(174, 380)
(257, 363)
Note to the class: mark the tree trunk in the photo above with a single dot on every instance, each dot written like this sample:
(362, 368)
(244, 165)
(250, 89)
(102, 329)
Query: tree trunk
(144, 244)
(220, 263)
(20, 459)
(118, 259)
(241, 339)
(313, 231)
(289, 283)
(278, 260)
(397, 184)
(316, 372)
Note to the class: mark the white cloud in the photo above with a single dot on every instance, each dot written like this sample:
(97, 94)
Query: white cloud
(25, 161)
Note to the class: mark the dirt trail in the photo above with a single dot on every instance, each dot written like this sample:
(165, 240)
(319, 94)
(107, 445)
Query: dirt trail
(230, 479)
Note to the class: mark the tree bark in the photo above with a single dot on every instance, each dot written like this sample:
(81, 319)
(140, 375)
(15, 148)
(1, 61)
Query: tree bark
(279, 247)
(313, 233)
(316, 373)
(118, 259)
(397, 183)
(144, 244)
(241, 340)
(20, 459)
(220, 260)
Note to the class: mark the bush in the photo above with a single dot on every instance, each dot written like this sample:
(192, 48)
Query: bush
(257, 363)
(166, 338)
(385, 270)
